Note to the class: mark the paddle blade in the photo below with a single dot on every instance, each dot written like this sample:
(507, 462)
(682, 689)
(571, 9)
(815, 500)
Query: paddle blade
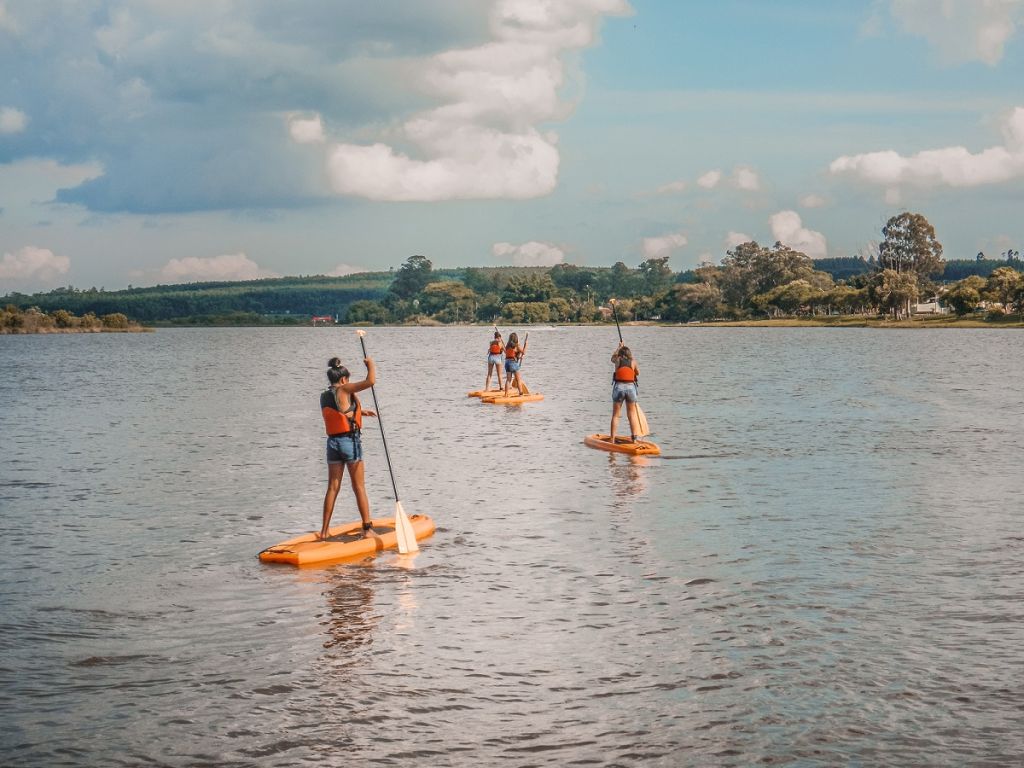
(403, 530)
(641, 418)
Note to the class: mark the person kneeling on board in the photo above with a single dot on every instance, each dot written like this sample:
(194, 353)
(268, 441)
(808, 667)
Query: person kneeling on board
(513, 362)
(343, 419)
(624, 390)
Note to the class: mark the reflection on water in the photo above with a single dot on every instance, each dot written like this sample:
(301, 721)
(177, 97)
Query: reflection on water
(628, 474)
(802, 578)
(350, 619)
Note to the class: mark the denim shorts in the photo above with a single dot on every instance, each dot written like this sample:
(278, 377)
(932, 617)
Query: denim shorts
(344, 450)
(624, 390)
(496, 359)
(512, 366)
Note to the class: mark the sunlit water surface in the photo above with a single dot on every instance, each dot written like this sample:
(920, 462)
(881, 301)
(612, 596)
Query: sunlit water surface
(825, 567)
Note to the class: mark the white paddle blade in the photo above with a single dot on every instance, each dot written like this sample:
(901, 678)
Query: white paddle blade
(641, 418)
(404, 532)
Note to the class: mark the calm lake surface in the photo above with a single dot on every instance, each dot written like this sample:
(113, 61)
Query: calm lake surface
(825, 567)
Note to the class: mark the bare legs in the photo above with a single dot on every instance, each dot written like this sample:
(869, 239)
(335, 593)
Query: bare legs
(334, 475)
(616, 408)
(634, 420)
(497, 370)
(510, 377)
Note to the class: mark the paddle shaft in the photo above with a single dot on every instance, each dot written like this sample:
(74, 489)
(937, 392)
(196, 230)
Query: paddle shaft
(380, 421)
(616, 316)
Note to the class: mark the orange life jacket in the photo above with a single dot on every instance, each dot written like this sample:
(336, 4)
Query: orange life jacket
(337, 422)
(510, 352)
(625, 373)
(495, 347)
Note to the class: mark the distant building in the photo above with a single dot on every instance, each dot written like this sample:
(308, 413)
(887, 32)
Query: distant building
(323, 320)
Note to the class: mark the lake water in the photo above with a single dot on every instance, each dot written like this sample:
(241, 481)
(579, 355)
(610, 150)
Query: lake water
(825, 567)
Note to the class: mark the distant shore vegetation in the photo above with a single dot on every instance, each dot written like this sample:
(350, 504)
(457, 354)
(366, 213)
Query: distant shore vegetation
(34, 320)
(903, 276)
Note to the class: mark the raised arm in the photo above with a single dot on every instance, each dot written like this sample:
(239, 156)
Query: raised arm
(371, 379)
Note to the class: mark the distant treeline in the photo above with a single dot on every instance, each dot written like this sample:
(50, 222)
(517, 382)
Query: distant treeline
(751, 281)
(34, 320)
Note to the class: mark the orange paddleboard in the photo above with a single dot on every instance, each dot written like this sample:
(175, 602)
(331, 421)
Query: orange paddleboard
(345, 541)
(512, 399)
(623, 445)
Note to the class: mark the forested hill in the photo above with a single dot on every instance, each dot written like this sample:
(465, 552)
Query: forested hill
(284, 298)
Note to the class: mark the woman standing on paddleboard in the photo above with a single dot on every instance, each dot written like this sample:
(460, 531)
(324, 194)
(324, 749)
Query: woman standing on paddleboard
(624, 390)
(513, 362)
(494, 361)
(343, 420)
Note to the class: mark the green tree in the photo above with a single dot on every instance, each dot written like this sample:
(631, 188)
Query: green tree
(909, 244)
(530, 287)
(63, 318)
(655, 275)
(449, 301)
(367, 311)
(893, 291)
(115, 320)
(622, 281)
(846, 299)
(526, 312)
(412, 277)
(692, 301)
(965, 296)
(1004, 285)
(749, 270)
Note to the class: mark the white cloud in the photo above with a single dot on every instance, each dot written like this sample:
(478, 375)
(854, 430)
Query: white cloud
(732, 239)
(746, 178)
(12, 120)
(789, 230)
(531, 254)
(656, 247)
(483, 142)
(345, 269)
(710, 179)
(962, 30)
(813, 201)
(671, 188)
(7, 21)
(232, 266)
(32, 263)
(305, 130)
(951, 166)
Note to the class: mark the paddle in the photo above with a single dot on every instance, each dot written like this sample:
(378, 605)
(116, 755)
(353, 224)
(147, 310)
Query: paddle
(641, 417)
(403, 526)
(524, 390)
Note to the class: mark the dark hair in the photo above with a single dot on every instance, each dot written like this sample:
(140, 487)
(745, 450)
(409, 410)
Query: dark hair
(497, 334)
(513, 340)
(337, 372)
(334, 362)
(625, 356)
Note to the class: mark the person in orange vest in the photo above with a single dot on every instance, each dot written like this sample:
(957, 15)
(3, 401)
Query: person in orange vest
(494, 361)
(343, 419)
(624, 390)
(513, 362)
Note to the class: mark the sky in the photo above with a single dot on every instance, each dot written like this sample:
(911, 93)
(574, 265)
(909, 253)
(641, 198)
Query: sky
(168, 141)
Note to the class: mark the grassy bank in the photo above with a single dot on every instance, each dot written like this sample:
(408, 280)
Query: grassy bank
(860, 321)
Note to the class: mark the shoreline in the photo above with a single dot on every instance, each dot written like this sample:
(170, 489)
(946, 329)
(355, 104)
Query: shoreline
(49, 331)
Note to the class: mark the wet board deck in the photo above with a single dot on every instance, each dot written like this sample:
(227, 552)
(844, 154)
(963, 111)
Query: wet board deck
(490, 392)
(345, 541)
(512, 399)
(623, 445)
